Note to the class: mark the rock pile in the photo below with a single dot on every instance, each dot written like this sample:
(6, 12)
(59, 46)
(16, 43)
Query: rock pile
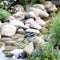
(21, 29)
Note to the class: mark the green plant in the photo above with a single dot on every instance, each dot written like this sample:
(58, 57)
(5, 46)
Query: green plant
(55, 29)
(40, 1)
(27, 3)
(6, 4)
(0, 0)
(46, 52)
(4, 14)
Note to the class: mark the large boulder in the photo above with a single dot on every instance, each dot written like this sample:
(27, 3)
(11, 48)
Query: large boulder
(8, 30)
(29, 48)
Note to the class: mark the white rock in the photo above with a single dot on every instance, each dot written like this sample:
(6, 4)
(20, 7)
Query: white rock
(2, 56)
(5, 23)
(26, 27)
(14, 59)
(16, 23)
(29, 48)
(53, 8)
(40, 6)
(48, 4)
(30, 14)
(8, 30)
(27, 24)
(39, 40)
(20, 30)
(0, 36)
(29, 21)
(41, 22)
(33, 30)
(36, 26)
(43, 14)
(1, 24)
(16, 52)
(40, 12)
(19, 15)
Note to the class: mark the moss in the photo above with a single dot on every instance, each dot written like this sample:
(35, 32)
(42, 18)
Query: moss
(4, 14)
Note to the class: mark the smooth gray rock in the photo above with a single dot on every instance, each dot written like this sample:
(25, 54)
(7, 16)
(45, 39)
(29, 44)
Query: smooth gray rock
(33, 30)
